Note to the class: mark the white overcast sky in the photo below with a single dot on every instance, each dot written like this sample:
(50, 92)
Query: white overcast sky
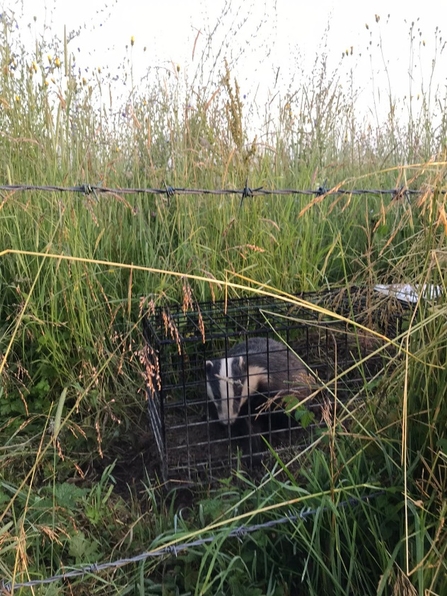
(291, 33)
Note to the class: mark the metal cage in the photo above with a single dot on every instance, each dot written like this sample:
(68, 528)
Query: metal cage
(192, 444)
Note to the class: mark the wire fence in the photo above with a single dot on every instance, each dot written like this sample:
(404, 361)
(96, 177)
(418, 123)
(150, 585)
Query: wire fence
(240, 532)
(246, 192)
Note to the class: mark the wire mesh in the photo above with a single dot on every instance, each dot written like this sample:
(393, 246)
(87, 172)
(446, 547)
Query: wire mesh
(192, 443)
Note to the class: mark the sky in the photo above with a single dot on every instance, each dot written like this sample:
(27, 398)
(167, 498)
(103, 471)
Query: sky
(271, 45)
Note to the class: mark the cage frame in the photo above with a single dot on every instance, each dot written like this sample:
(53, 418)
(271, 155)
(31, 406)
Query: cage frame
(179, 340)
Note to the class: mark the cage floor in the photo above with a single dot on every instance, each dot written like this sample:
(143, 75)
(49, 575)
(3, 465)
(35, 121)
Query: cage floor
(205, 448)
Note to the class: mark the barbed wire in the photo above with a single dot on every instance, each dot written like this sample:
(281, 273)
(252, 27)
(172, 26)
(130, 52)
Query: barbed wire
(240, 532)
(246, 192)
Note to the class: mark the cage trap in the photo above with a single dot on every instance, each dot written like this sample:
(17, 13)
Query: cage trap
(192, 443)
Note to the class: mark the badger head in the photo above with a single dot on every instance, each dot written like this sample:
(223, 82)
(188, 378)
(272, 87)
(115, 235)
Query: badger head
(226, 386)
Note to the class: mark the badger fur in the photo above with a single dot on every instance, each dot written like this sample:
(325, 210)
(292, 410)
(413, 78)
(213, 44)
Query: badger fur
(253, 370)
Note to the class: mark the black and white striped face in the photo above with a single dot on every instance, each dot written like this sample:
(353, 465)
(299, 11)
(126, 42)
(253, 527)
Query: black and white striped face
(229, 384)
(225, 385)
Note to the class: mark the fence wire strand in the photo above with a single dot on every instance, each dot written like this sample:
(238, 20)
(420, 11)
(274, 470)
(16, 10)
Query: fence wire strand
(246, 192)
(240, 532)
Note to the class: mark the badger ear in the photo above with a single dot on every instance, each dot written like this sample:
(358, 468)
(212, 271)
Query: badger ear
(209, 366)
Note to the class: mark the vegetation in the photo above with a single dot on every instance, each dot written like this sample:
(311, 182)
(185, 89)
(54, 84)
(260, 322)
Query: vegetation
(77, 269)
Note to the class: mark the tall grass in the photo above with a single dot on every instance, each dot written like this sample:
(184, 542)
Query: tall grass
(71, 397)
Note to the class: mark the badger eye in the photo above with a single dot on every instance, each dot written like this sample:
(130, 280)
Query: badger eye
(237, 388)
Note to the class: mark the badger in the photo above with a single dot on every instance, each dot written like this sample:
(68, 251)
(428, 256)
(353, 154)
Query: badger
(252, 371)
